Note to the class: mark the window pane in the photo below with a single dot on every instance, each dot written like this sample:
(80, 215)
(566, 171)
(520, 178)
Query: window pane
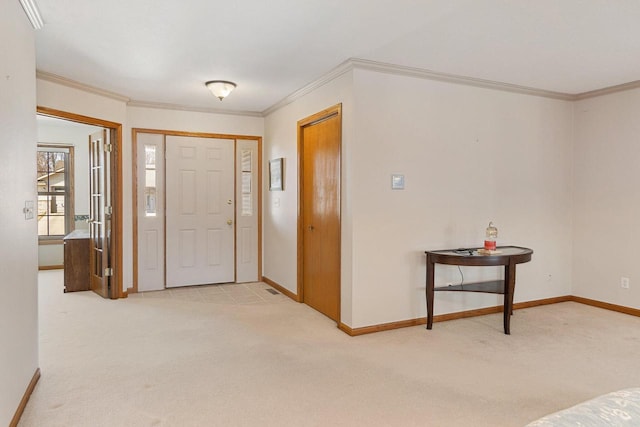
(247, 206)
(51, 215)
(246, 182)
(51, 183)
(246, 157)
(150, 180)
(43, 215)
(150, 156)
(246, 161)
(150, 201)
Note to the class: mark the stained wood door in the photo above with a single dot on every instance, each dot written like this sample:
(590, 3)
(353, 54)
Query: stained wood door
(319, 264)
(199, 211)
(100, 212)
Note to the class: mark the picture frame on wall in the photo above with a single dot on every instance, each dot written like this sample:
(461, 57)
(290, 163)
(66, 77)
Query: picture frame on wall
(276, 174)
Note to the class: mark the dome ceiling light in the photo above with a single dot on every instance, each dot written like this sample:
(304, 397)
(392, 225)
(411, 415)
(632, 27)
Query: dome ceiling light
(220, 88)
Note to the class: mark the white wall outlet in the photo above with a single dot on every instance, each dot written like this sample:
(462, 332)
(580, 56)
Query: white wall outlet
(624, 282)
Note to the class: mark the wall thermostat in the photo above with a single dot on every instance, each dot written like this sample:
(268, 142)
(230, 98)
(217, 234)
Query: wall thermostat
(397, 182)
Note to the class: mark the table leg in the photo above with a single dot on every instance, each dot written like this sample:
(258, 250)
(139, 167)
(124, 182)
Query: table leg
(509, 289)
(429, 292)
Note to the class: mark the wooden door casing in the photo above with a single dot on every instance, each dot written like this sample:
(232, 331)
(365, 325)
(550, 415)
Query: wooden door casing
(115, 136)
(319, 139)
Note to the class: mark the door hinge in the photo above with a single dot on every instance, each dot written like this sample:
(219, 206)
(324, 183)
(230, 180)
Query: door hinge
(108, 272)
(108, 210)
(108, 148)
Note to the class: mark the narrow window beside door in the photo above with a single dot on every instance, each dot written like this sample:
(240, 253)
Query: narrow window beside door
(247, 176)
(150, 180)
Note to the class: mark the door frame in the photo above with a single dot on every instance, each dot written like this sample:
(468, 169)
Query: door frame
(323, 115)
(134, 163)
(116, 191)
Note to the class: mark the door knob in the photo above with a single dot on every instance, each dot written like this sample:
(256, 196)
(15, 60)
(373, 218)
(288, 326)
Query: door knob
(229, 222)
(311, 228)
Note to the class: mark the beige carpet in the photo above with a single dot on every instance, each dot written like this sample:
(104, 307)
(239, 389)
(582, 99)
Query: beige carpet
(237, 355)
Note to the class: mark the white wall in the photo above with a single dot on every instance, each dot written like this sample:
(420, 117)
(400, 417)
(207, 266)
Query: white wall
(469, 156)
(281, 207)
(189, 121)
(18, 253)
(68, 133)
(175, 120)
(607, 198)
(73, 100)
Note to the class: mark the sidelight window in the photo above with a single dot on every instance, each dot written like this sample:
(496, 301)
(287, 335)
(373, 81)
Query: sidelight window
(150, 188)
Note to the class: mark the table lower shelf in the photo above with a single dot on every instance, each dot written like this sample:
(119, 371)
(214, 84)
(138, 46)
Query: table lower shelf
(490, 287)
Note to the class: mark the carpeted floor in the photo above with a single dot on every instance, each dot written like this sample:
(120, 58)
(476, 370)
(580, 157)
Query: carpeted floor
(237, 355)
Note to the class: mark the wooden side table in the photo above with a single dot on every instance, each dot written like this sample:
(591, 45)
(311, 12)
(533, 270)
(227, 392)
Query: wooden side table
(507, 256)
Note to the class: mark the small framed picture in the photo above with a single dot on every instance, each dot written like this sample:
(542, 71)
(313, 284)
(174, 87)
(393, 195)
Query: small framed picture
(276, 173)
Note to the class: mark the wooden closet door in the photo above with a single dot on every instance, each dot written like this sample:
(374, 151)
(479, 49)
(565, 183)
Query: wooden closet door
(320, 140)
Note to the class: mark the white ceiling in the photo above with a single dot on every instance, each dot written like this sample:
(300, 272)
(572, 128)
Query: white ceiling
(162, 51)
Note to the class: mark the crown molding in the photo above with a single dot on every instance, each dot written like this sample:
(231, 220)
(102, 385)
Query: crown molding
(608, 90)
(165, 106)
(401, 70)
(54, 78)
(422, 73)
(345, 67)
(42, 75)
(381, 67)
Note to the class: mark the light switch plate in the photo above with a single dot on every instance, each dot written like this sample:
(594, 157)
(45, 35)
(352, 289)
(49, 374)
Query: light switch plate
(28, 209)
(397, 182)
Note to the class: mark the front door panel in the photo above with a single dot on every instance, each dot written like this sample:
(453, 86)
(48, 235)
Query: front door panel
(199, 211)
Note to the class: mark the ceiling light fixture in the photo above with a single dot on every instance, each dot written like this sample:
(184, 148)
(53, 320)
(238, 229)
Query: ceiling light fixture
(220, 88)
(31, 9)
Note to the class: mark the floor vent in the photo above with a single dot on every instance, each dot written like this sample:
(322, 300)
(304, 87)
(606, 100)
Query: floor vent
(273, 291)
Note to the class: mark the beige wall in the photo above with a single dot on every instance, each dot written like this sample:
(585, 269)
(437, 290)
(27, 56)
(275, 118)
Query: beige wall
(281, 207)
(469, 156)
(176, 120)
(607, 198)
(73, 100)
(18, 253)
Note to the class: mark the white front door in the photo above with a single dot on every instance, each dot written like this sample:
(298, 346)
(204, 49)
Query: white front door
(199, 211)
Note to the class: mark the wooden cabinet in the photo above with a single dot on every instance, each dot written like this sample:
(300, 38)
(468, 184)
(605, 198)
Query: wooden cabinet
(76, 261)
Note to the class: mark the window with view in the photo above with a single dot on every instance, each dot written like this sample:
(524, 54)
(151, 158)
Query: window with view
(55, 183)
